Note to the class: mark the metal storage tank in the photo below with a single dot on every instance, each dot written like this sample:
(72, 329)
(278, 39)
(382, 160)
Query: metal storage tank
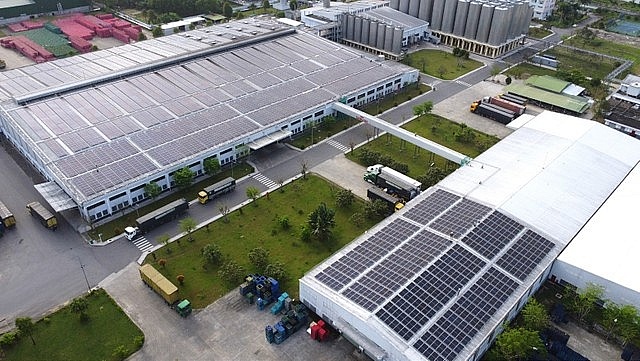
(461, 17)
(373, 34)
(414, 6)
(404, 6)
(364, 37)
(381, 34)
(357, 31)
(343, 20)
(527, 20)
(425, 9)
(388, 38)
(499, 25)
(396, 46)
(482, 35)
(513, 23)
(394, 4)
(473, 17)
(436, 15)
(351, 24)
(449, 15)
(326, 3)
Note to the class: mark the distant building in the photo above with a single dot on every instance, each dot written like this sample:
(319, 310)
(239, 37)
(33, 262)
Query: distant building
(624, 107)
(182, 25)
(542, 9)
(14, 11)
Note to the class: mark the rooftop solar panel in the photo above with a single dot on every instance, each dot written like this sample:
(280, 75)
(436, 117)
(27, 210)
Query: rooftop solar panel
(525, 254)
(462, 217)
(430, 207)
(492, 234)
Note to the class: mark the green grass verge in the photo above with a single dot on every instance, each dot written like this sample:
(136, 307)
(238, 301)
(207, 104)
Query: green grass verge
(539, 33)
(116, 226)
(440, 64)
(610, 48)
(435, 128)
(257, 226)
(63, 336)
(527, 69)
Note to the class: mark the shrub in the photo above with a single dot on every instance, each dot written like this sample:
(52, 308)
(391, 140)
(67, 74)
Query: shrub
(259, 257)
(212, 253)
(120, 352)
(8, 339)
(357, 219)
(305, 234)
(138, 341)
(276, 270)
(284, 222)
(180, 279)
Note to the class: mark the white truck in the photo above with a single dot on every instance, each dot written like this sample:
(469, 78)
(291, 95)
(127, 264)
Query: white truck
(393, 182)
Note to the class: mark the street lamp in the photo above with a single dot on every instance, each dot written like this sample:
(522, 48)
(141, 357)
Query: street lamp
(85, 276)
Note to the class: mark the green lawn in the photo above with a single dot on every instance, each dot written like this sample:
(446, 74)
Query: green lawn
(527, 69)
(440, 64)
(539, 33)
(117, 225)
(610, 48)
(597, 67)
(432, 127)
(63, 336)
(259, 227)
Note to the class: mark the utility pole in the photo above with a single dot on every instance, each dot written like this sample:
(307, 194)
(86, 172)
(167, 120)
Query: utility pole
(85, 275)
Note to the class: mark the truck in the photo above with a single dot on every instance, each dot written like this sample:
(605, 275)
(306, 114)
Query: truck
(393, 182)
(43, 215)
(165, 288)
(494, 112)
(514, 107)
(514, 99)
(394, 204)
(153, 219)
(7, 220)
(208, 193)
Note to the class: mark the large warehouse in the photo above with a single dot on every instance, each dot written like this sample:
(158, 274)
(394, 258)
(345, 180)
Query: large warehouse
(99, 126)
(12, 11)
(437, 280)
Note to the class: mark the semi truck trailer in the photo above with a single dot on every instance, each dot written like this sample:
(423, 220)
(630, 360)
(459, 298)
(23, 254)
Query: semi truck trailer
(165, 288)
(516, 108)
(43, 215)
(158, 217)
(393, 182)
(208, 193)
(494, 112)
(7, 219)
(394, 204)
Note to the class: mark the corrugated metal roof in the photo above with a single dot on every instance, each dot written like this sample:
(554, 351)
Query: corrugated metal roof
(568, 102)
(395, 18)
(547, 82)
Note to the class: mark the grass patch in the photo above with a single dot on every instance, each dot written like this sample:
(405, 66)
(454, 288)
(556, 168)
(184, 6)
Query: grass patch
(116, 226)
(525, 70)
(440, 63)
(257, 226)
(596, 67)
(610, 48)
(63, 336)
(435, 128)
(539, 33)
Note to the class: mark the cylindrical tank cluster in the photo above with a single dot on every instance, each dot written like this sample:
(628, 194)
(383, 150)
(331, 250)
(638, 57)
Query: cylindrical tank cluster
(462, 10)
(357, 37)
(404, 6)
(372, 33)
(396, 45)
(414, 6)
(484, 24)
(500, 27)
(436, 16)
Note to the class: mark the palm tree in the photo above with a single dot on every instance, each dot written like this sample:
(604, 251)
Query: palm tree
(321, 220)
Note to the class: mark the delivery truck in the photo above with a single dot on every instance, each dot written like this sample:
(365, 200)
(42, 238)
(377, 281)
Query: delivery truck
(156, 218)
(43, 215)
(165, 288)
(393, 182)
(208, 193)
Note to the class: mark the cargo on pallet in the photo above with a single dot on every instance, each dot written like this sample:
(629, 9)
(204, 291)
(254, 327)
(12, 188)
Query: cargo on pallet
(291, 322)
(319, 331)
(516, 108)
(514, 98)
(492, 111)
(265, 289)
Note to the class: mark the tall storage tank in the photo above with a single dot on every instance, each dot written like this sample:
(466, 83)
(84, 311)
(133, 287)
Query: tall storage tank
(364, 37)
(388, 38)
(414, 6)
(396, 46)
(482, 35)
(499, 25)
(527, 19)
(461, 17)
(344, 22)
(449, 15)
(404, 6)
(357, 30)
(473, 17)
(436, 17)
(394, 4)
(381, 34)
(425, 9)
(351, 24)
(373, 34)
(513, 23)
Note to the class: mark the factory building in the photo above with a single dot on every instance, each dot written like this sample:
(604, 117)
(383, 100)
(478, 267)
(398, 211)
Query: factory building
(437, 280)
(542, 9)
(488, 28)
(102, 125)
(14, 11)
(624, 107)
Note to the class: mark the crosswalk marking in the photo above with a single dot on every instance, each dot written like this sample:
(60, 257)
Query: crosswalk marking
(335, 144)
(463, 83)
(142, 244)
(264, 180)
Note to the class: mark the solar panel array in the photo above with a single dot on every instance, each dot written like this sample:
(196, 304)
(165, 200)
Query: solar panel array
(492, 234)
(460, 218)
(430, 207)
(525, 254)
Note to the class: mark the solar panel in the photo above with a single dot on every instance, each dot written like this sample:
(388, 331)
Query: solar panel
(460, 218)
(388, 276)
(412, 308)
(430, 207)
(458, 325)
(525, 254)
(492, 234)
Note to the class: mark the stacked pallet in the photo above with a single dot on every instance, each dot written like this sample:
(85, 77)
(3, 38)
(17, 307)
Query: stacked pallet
(27, 47)
(80, 44)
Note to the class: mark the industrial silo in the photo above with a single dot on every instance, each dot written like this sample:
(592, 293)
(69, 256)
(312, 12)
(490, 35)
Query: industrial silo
(482, 35)
(513, 23)
(388, 38)
(527, 19)
(448, 16)
(373, 34)
(499, 25)
(396, 46)
(344, 22)
(473, 17)
(425, 9)
(364, 37)
(394, 4)
(326, 3)
(414, 6)
(404, 6)
(351, 25)
(461, 17)
(357, 31)
(381, 34)
(436, 16)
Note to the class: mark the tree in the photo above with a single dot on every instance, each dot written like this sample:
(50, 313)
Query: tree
(259, 257)
(293, 5)
(621, 321)
(211, 165)
(276, 270)
(344, 198)
(584, 301)
(518, 343)
(252, 7)
(80, 306)
(224, 210)
(180, 279)
(157, 32)
(188, 225)
(304, 168)
(321, 221)
(253, 193)
(162, 262)
(376, 209)
(212, 253)
(26, 327)
(433, 176)
(152, 189)
(266, 4)
(231, 272)
(183, 177)
(227, 10)
(142, 37)
(423, 109)
(535, 316)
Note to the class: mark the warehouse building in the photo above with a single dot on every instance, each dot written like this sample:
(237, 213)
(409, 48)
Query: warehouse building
(13, 11)
(624, 107)
(102, 125)
(488, 28)
(438, 279)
